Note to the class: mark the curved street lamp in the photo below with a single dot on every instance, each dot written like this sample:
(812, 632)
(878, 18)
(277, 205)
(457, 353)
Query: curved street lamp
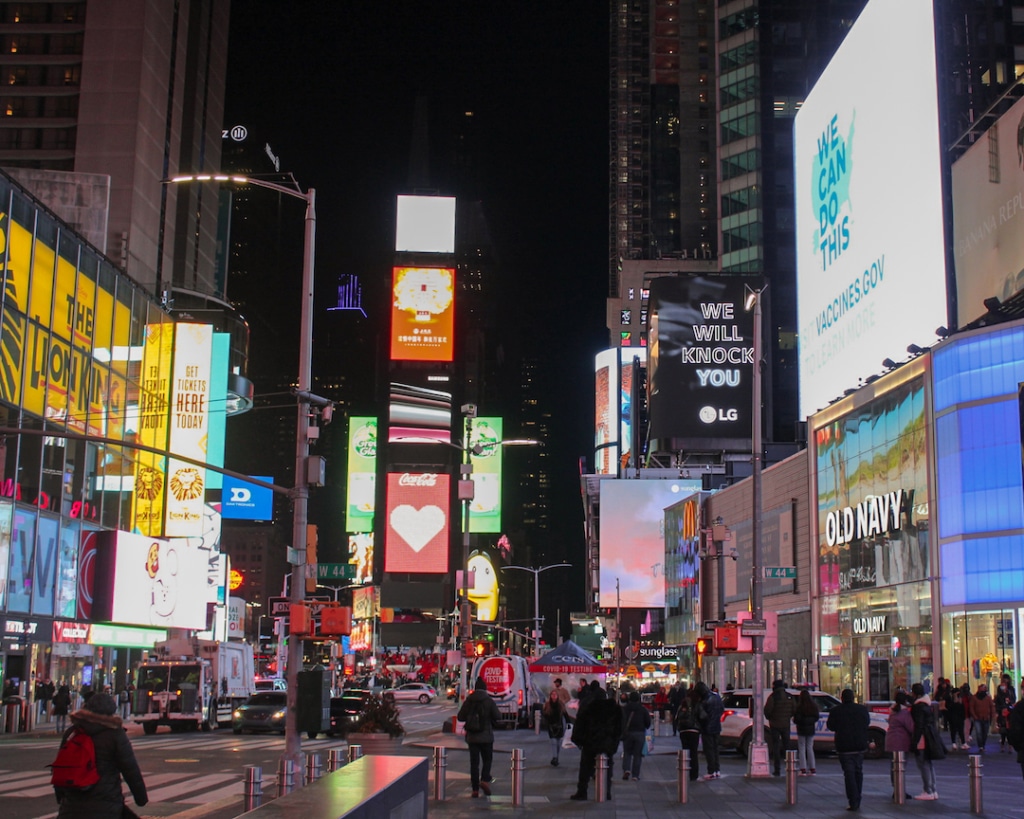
(536, 598)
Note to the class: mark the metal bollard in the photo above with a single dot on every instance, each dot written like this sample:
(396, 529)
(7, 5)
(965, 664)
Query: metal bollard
(354, 752)
(536, 721)
(335, 759)
(285, 777)
(656, 723)
(518, 775)
(601, 777)
(314, 768)
(683, 765)
(253, 787)
(790, 777)
(899, 777)
(974, 767)
(440, 770)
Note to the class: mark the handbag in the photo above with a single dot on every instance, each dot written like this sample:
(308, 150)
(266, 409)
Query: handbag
(567, 739)
(648, 745)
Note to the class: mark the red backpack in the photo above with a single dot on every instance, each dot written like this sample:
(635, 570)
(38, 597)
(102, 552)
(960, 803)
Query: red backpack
(75, 765)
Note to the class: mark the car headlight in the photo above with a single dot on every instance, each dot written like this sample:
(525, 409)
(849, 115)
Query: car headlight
(279, 714)
(237, 715)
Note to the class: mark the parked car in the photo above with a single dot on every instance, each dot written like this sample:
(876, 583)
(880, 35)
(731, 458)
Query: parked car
(346, 710)
(271, 684)
(738, 727)
(412, 692)
(263, 711)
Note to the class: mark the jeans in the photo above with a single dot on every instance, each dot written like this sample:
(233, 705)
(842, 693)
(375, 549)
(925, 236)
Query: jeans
(853, 776)
(62, 723)
(924, 765)
(956, 730)
(556, 747)
(690, 740)
(480, 751)
(778, 741)
(711, 752)
(980, 733)
(632, 752)
(805, 745)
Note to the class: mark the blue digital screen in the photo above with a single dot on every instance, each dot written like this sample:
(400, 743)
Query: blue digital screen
(242, 500)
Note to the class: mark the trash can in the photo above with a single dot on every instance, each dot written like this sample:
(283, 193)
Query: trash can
(14, 708)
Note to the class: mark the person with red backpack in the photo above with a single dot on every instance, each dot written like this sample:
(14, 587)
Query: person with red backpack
(94, 754)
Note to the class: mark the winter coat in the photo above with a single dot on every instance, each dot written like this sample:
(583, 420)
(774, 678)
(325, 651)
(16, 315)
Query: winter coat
(61, 702)
(491, 715)
(709, 711)
(779, 709)
(849, 722)
(114, 759)
(982, 707)
(1004, 701)
(635, 718)
(1016, 728)
(554, 716)
(806, 721)
(686, 714)
(598, 727)
(900, 735)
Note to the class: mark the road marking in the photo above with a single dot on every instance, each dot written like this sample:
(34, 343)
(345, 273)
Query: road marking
(234, 789)
(189, 786)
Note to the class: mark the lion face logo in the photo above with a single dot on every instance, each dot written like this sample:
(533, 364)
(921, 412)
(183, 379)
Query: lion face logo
(186, 484)
(149, 483)
(153, 560)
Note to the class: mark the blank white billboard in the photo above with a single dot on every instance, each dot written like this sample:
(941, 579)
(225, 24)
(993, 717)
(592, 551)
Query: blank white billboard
(426, 224)
(871, 273)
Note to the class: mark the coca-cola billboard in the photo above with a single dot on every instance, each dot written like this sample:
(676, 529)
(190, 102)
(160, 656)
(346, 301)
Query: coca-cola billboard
(417, 523)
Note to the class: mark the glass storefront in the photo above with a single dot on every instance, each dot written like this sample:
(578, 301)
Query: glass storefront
(875, 623)
(979, 646)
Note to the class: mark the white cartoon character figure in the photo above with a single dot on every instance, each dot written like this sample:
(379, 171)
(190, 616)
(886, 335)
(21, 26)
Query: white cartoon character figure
(485, 587)
(163, 571)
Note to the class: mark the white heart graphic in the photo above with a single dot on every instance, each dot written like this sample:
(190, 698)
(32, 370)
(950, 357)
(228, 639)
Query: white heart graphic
(417, 527)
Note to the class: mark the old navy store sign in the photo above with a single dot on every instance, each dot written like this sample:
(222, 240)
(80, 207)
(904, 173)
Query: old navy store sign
(875, 516)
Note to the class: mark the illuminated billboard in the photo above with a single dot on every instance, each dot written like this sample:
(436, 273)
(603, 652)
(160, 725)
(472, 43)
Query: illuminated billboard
(633, 539)
(701, 357)
(422, 313)
(613, 399)
(416, 537)
(150, 581)
(484, 592)
(425, 224)
(360, 553)
(871, 275)
(242, 500)
(419, 412)
(149, 489)
(988, 217)
(189, 429)
(485, 508)
(362, 474)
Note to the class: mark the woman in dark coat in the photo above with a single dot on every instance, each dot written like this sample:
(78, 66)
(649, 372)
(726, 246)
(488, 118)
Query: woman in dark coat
(61, 706)
(114, 759)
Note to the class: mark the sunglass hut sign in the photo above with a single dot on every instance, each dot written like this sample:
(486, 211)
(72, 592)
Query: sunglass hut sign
(877, 515)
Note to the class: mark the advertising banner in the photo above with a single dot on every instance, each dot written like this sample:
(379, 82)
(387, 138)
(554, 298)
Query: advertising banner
(189, 427)
(362, 473)
(988, 217)
(417, 523)
(485, 508)
(606, 412)
(701, 350)
(155, 582)
(236, 618)
(360, 553)
(871, 270)
(242, 500)
(417, 411)
(422, 313)
(425, 224)
(153, 430)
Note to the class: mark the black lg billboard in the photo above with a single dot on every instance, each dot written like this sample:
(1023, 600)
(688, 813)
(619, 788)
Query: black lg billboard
(701, 353)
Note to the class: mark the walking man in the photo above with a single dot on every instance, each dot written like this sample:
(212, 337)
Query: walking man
(709, 718)
(849, 722)
(480, 715)
(597, 730)
(779, 709)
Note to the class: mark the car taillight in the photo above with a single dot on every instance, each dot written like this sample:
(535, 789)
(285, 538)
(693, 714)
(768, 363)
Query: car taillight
(520, 697)
(728, 712)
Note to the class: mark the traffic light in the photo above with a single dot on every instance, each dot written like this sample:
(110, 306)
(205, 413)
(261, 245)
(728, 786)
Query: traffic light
(704, 646)
(481, 648)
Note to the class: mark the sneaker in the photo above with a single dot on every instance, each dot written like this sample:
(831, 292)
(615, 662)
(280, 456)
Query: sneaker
(475, 794)
(485, 788)
(579, 797)
(554, 761)
(636, 778)
(814, 771)
(803, 772)
(715, 775)
(625, 776)
(926, 797)
(488, 779)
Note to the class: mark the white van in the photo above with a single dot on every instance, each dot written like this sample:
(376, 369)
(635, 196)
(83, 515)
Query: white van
(510, 685)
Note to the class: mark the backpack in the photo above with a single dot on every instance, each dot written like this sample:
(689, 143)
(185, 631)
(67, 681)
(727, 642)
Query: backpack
(75, 765)
(475, 720)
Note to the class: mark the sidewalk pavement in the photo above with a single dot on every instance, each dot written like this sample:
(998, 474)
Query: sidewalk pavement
(547, 789)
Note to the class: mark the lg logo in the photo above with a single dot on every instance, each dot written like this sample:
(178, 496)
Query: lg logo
(239, 494)
(709, 415)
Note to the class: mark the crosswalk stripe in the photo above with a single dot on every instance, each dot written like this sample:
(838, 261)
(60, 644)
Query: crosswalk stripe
(24, 781)
(234, 789)
(167, 794)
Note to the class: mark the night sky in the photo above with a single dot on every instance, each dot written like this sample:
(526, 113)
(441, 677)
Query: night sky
(332, 87)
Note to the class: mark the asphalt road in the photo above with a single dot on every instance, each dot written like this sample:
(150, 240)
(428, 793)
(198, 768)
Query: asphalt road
(182, 771)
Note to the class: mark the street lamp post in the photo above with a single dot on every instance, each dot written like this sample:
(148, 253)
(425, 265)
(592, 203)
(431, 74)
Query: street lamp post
(300, 492)
(536, 598)
(757, 757)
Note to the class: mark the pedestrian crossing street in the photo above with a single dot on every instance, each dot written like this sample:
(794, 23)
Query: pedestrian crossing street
(163, 782)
